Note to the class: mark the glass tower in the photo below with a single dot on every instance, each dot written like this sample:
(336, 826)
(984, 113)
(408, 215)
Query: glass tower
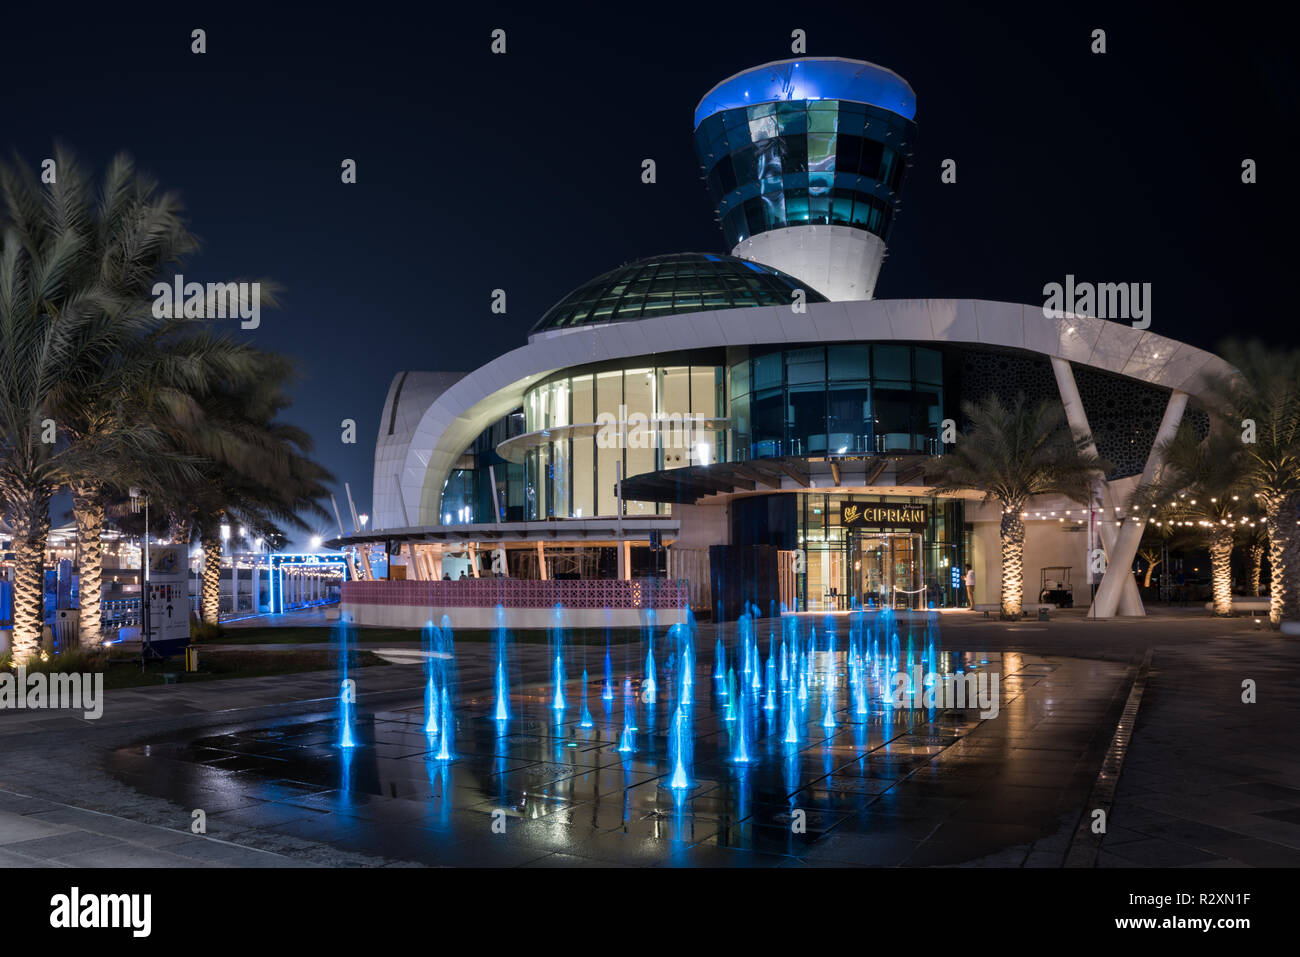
(804, 160)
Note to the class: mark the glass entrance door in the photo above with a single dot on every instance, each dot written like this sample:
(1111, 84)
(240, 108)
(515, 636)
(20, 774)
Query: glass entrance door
(889, 569)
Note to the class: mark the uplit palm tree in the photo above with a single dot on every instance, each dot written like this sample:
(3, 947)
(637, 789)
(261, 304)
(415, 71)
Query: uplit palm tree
(1013, 454)
(1256, 540)
(59, 326)
(1200, 489)
(107, 418)
(1263, 403)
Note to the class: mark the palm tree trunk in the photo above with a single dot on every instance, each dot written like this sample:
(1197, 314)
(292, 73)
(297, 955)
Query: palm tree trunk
(30, 510)
(1013, 563)
(210, 602)
(1221, 569)
(1283, 559)
(1256, 554)
(88, 513)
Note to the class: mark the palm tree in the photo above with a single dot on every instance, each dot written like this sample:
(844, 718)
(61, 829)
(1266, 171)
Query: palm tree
(256, 469)
(113, 368)
(1256, 545)
(1012, 454)
(1263, 400)
(1152, 558)
(1200, 488)
(56, 330)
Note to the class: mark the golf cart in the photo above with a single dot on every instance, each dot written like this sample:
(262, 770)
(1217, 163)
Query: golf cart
(1055, 587)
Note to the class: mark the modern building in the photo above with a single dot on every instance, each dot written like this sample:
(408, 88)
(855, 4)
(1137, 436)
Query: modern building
(757, 424)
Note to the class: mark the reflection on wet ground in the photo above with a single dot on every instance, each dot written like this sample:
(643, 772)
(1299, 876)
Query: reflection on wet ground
(895, 786)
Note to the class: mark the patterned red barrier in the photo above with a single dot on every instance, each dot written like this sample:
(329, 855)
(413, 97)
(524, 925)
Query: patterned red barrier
(522, 593)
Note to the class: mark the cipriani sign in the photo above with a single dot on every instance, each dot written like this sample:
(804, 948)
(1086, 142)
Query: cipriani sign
(883, 515)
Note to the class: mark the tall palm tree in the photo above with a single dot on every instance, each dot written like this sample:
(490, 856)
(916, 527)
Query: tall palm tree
(1013, 453)
(1263, 401)
(113, 366)
(1200, 489)
(56, 330)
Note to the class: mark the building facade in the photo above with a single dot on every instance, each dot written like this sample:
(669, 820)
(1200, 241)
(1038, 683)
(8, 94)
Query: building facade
(757, 424)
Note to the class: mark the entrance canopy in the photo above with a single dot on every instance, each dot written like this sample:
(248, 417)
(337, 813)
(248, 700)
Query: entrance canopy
(880, 473)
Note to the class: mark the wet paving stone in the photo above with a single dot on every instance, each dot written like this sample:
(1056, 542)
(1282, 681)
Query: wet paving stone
(884, 788)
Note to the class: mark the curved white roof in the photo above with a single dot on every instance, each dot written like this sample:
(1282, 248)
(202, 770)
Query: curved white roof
(456, 416)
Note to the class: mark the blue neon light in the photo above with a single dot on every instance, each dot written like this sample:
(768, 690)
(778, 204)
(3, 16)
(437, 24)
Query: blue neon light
(811, 78)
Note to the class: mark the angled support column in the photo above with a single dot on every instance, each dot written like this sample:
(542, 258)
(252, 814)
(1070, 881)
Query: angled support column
(1119, 568)
(1130, 598)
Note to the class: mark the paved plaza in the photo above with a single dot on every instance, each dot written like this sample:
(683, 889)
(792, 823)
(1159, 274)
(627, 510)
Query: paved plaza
(1206, 780)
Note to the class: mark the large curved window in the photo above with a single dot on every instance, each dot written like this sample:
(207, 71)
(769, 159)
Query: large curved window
(846, 399)
(620, 421)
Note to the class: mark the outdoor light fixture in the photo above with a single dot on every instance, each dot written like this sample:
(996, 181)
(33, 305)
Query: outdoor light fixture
(315, 541)
(225, 533)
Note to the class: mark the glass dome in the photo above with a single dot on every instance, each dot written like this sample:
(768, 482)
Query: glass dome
(681, 282)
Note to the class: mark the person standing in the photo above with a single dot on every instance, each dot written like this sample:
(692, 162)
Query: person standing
(970, 587)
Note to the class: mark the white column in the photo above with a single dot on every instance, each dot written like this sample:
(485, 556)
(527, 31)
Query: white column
(1119, 567)
(1130, 597)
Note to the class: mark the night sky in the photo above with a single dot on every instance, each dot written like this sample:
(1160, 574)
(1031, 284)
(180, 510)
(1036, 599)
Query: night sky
(522, 171)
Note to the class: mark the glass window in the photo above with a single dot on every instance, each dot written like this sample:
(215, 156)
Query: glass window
(892, 363)
(560, 479)
(822, 115)
(584, 398)
(609, 393)
(767, 371)
(821, 151)
(739, 375)
(768, 412)
(848, 363)
(805, 366)
(929, 366)
(584, 485)
(607, 460)
(762, 128)
(847, 413)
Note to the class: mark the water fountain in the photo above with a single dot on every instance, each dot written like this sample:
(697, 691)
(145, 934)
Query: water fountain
(584, 720)
(445, 735)
(347, 688)
(502, 655)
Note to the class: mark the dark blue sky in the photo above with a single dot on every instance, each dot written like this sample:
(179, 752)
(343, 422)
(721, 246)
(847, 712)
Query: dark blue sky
(523, 171)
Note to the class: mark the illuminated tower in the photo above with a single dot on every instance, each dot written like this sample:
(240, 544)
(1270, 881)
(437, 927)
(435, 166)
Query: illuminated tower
(804, 160)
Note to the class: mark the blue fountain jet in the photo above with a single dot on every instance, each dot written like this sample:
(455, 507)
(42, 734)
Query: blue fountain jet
(629, 705)
(678, 747)
(558, 702)
(444, 749)
(585, 719)
(347, 689)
